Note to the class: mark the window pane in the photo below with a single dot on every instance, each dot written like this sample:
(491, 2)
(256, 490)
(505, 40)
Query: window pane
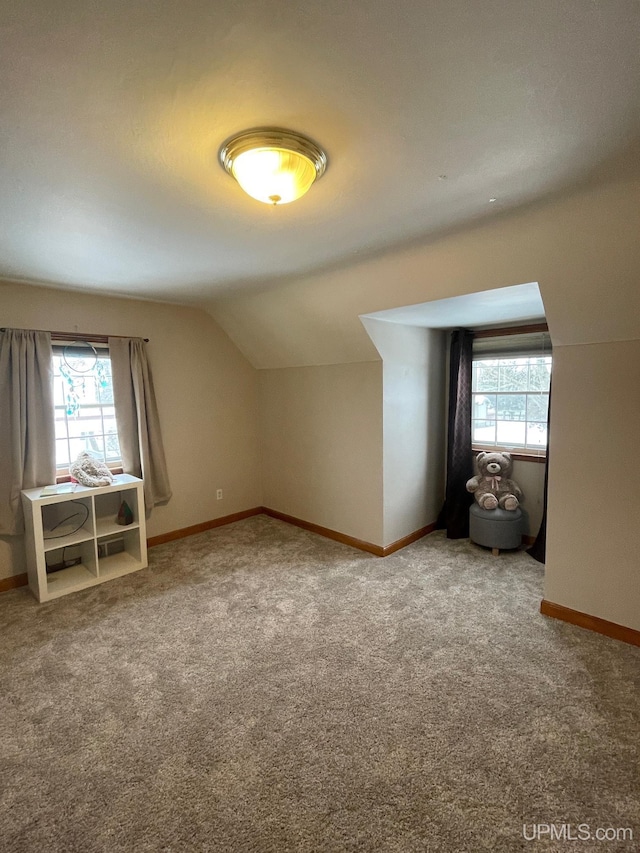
(61, 428)
(516, 416)
(110, 425)
(90, 391)
(539, 374)
(514, 374)
(511, 407)
(112, 448)
(58, 391)
(62, 453)
(79, 426)
(81, 384)
(104, 381)
(537, 435)
(537, 406)
(93, 444)
(487, 376)
(511, 433)
(484, 407)
(484, 432)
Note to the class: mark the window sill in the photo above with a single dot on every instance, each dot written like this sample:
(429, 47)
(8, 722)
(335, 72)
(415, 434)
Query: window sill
(516, 455)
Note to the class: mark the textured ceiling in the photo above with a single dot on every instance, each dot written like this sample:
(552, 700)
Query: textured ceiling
(112, 115)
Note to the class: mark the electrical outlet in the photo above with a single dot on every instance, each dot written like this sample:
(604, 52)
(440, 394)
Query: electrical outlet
(219, 495)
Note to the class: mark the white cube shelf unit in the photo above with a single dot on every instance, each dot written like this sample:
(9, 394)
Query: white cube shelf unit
(73, 540)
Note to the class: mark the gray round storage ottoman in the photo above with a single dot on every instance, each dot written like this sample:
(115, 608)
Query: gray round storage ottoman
(495, 528)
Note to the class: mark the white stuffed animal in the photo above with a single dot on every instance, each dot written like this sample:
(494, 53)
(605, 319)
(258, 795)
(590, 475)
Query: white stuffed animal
(89, 471)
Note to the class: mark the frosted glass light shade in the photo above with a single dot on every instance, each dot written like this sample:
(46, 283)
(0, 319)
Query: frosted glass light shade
(272, 165)
(274, 175)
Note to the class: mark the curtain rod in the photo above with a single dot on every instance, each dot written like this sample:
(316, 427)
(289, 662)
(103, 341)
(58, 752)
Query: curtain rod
(80, 336)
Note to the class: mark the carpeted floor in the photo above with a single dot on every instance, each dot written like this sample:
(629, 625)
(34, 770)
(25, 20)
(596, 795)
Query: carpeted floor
(260, 688)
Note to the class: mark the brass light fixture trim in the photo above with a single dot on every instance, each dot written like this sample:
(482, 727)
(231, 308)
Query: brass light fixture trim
(290, 157)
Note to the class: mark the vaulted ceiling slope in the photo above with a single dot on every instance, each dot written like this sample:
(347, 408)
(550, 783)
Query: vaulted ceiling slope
(112, 115)
(582, 250)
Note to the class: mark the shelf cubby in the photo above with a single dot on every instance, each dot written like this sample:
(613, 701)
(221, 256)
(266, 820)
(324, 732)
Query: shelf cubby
(115, 565)
(66, 523)
(107, 507)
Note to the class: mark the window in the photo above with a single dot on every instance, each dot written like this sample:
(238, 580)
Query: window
(510, 393)
(84, 412)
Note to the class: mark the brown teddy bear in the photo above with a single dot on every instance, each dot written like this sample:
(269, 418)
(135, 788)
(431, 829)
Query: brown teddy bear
(492, 487)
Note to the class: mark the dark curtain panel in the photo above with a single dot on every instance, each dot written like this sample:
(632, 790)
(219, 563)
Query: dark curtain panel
(539, 548)
(454, 516)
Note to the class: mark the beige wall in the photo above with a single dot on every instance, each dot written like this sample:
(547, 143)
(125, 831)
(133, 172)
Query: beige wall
(414, 421)
(206, 394)
(593, 536)
(584, 251)
(321, 433)
(530, 477)
(333, 436)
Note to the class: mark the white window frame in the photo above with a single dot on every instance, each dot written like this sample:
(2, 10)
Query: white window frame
(62, 470)
(512, 344)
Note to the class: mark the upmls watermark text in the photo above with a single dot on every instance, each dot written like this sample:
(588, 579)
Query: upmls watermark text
(574, 832)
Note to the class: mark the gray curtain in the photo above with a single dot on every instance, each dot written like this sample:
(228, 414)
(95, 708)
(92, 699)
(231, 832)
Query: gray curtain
(27, 421)
(137, 418)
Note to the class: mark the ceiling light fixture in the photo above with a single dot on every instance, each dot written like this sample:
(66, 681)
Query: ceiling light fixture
(273, 165)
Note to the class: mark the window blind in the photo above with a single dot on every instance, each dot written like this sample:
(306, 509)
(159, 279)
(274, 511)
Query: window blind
(505, 346)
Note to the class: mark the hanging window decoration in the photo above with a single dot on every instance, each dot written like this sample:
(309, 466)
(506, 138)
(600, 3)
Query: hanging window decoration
(78, 360)
(83, 392)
